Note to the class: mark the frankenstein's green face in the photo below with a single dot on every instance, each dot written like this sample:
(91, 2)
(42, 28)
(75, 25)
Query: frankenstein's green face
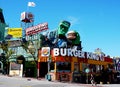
(63, 27)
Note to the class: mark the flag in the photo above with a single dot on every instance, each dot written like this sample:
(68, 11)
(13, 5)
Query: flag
(31, 4)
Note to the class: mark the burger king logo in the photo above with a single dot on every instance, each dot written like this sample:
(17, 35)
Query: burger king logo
(45, 51)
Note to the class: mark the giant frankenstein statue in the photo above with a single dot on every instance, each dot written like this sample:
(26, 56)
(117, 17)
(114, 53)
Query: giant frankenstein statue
(56, 38)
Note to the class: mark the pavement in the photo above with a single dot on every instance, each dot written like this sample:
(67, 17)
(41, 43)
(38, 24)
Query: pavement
(70, 84)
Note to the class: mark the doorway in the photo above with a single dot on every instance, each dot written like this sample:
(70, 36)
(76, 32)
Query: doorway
(43, 69)
(30, 72)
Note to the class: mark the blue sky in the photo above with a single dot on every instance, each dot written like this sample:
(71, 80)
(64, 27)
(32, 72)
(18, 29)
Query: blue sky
(97, 21)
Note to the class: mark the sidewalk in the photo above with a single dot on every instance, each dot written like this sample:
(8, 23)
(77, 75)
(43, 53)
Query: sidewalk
(70, 84)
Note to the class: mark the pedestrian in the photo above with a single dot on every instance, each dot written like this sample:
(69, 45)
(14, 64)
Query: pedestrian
(92, 80)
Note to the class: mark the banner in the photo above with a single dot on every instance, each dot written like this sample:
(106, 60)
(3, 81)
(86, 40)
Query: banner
(36, 29)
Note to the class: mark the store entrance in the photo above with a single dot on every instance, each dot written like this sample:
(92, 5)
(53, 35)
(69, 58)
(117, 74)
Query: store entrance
(30, 71)
(43, 69)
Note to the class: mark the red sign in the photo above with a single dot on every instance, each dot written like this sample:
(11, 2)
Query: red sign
(36, 29)
(107, 59)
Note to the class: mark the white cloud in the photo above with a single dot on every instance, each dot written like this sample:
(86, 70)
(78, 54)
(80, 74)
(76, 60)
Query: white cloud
(73, 20)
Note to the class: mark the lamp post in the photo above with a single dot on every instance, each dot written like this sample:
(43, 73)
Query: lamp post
(49, 61)
(87, 70)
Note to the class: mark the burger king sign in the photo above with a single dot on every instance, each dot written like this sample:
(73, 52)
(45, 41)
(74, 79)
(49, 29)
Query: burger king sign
(45, 51)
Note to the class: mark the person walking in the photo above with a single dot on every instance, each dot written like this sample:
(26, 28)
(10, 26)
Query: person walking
(92, 80)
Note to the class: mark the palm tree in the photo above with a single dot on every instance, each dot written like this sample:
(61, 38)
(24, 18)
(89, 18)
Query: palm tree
(6, 54)
(28, 46)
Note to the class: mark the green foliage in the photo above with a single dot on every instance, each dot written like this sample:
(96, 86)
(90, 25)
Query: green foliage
(4, 46)
(7, 53)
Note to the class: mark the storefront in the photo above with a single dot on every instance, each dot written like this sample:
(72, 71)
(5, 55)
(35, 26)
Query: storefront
(22, 66)
(66, 64)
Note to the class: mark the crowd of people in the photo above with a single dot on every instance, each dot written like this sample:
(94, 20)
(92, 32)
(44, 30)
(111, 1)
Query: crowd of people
(106, 76)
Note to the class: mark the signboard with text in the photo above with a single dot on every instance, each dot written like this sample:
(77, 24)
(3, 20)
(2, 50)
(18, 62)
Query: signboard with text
(66, 54)
(36, 29)
(11, 33)
(15, 32)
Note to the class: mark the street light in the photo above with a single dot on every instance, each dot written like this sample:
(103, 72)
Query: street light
(87, 70)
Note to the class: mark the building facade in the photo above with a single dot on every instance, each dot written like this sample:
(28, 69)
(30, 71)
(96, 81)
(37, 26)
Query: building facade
(2, 25)
(65, 64)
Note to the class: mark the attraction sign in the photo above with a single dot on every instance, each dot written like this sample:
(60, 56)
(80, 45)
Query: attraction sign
(13, 33)
(27, 17)
(36, 29)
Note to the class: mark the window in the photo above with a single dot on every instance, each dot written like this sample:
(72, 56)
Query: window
(64, 66)
(76, 67)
